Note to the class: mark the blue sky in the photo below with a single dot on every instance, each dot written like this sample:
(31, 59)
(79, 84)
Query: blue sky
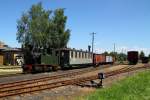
(123, 22)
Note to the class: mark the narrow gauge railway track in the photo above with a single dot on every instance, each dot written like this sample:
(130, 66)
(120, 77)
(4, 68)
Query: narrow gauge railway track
(112, 73)
(130, 69)
(47, 78)
(28, 89)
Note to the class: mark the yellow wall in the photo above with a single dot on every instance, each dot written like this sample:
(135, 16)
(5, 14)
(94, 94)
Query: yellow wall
(1, 60)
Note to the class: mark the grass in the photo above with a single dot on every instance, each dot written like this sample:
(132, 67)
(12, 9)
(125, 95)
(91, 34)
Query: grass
(136, 87)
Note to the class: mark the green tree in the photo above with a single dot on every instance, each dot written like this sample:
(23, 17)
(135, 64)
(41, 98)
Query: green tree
(142, 54)
(60, 35)
(114, 54)
(106, 53)
(38, 28)
(121, 57)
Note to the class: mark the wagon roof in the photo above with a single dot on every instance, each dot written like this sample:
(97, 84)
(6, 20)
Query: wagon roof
(73, 49)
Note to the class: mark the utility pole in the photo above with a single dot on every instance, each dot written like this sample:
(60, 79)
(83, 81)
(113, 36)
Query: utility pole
(114, 50)
(93, 35)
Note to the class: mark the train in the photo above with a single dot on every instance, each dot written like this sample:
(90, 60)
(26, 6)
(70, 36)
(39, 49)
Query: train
(64, 58)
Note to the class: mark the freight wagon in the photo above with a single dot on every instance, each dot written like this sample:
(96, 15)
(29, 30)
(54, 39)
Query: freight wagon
(145, 59)
(133, 57)
(99, 59)
(109, 60)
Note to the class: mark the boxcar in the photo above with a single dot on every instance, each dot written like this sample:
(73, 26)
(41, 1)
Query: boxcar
(133, 57)
(99, 59)
(109, 60)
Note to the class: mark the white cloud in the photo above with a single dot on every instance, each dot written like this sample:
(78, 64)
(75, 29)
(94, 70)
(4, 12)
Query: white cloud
(99, 50)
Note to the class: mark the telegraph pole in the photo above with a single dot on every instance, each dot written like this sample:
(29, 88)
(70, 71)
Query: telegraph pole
(93, 37)
(114, 50)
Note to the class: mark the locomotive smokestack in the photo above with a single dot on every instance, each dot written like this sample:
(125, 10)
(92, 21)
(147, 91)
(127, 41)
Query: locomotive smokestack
(89, 48)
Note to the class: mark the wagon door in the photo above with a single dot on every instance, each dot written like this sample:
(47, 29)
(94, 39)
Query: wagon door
(64, 58)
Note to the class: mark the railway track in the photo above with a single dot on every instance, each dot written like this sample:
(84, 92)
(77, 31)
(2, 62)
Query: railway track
(29, 86)
(130, 69)
(46, 78)
(115, 72)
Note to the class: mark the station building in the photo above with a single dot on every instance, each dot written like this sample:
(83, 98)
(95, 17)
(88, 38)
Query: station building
(10, 56)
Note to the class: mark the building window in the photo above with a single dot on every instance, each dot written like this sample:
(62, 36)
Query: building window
(56, 53)
(71, 54)
(62, 54)
(75, 54)
(79, 54)
(49, 51)
(91, 55)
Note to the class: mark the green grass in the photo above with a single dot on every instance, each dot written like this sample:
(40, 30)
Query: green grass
(136, 87)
